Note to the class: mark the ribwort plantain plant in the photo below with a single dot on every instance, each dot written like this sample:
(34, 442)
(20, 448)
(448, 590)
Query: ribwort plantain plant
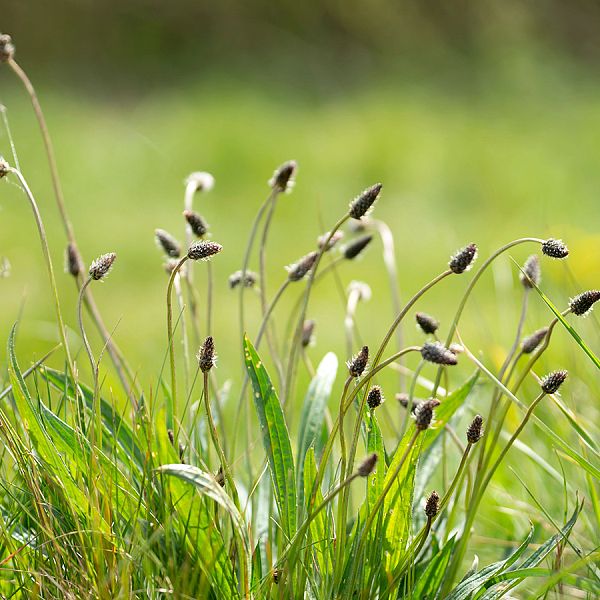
(324, 494)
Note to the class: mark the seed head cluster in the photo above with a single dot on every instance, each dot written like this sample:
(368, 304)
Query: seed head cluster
(367, 466)
(353, 249)
(427, 323)
(358, 363)
(375, 397)
(298, 270)
(73, 262)
(437, 353)
(432, 505)
(203, 250)
(424, 414)
(283, 177)
(463, 260)
(364, 201)
(249, 279)
(531, 342)
(531, 274)
(197, 224)
(551, 383)
(582, 304)
(168, 243)
(206, 355)
(475, 430)
(7, 48)
(102, 266)
(555, 248)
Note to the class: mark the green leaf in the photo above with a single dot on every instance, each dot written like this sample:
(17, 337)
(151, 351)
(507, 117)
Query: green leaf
(313, 414)
(430, 580)
(276, 439)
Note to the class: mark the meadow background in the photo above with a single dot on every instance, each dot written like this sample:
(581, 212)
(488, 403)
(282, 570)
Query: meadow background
(482, 120)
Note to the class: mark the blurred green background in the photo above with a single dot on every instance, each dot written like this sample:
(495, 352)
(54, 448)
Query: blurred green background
(482, 119)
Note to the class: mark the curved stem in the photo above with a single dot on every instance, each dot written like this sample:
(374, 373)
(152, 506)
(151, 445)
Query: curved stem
(172, 401)
(84, 337)
(49, 267)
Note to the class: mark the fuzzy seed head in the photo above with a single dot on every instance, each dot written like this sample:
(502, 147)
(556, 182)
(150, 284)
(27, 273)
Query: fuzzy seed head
(335, 238)
(353, 249)
(364, 201)
(552, 382)
(73, 262)
(582, 305)
(200, 181)
(531, 275)
(424, 414)
(437, 353)
(432, 505)
(203, 250)
(463, 260)
(297, 271)
(475, 430)
(531, 342)
(249, 278)
(197, 224)
(206, 355)
(404, 399)
(308, 329)
(555, 248)
(102, 266)
(358, 363)
(4, 168)
(375, 397)
(427, 323)
(7, 48)
(168, 243)
(283, 177)
(367, 466)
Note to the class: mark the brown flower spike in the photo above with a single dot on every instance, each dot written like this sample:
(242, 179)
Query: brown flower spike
(358, 364)
(203, 250)
(102, 266)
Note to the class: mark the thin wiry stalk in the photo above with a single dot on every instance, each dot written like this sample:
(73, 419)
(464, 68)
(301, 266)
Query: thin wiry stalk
(188, 202)
(172, 400)
(46, 252)
(115, 354)
(184, 333)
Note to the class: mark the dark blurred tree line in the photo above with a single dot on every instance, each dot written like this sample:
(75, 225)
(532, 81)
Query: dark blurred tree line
(141, 38)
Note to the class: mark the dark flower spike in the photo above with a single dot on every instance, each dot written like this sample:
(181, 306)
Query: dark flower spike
(367, 466)
(364, 201)
(353, 249)
(426, 322)
(555, 249)
(7, 48)
(308, 328)
(74, 264)
(168, 243)
(424, 414)
(298, 270)
(432, 505)
(475, 430)
(197, 224)
(358, 363)
(582, 305)
(102, 266)
(375, 397)
(206, 355)
(283, 177)
(531, 274)
(531, 342)
(220, 476)
(203, 250)
(335, 238)
(463, 260)
(436, 352)
(552, 382)
(404, 399)
(235, 279)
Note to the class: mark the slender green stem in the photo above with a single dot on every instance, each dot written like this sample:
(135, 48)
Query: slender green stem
(84, 337)
(172, 402)
(49, 267)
